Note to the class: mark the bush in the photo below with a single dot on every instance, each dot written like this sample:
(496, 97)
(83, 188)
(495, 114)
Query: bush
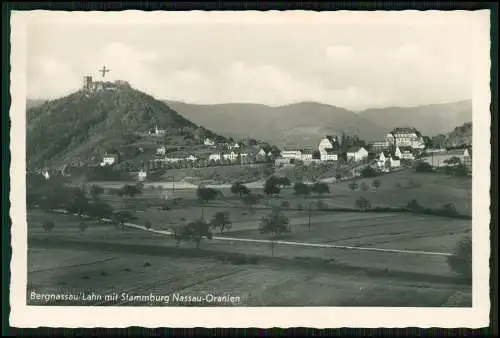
(414, 206)
(368, 172)
(461, 261)
(48, 225)
(147, 225)
(424, 167)
(285, 204)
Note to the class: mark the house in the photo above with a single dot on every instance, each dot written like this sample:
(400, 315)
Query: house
(191, 158)
(388, 160)
(405, 153)
(209, 142)
(282, 162)
(262, 153)
(378, 146)
(329, 142)
(214, 157)
(159, 132)
(329, 154)
(405, 137)
(235, 146)
(232, 156)
(45, 173)
(467, 158)
(356, 154)
(108, 160)
(141, 175)
(172, 159)
(292, 154)
(161, 150)
(243, 155)
(306, 156)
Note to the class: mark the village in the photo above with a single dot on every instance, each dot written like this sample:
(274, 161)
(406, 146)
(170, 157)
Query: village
(400, 147)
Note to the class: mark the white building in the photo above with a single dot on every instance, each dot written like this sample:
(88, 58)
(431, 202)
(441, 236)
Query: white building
(329, 142)
(209, 142)
(161, 150)
(214, 157)
(306, 156)
(108, 160)
(45, 174)
(172, 159)
(357, 154)
(292, 154)
(406, 137)
(235, 146)
(191, 158)
(232, 156)
(141, 175)
(262, 153)
(159, 132)
(327, 155)
(404, 153)
(387, 161)
(379, 146)
(283, 162)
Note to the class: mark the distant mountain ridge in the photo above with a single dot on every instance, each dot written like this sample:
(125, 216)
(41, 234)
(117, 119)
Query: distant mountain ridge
(303, 124)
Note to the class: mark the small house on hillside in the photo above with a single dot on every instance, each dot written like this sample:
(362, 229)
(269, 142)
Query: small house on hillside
(292, 154)
(388, 160)
(191, 158)
(232, 156)
(405, 153)
(356, 154)
(109, 159)
(378, 146)
(161, 151)
(209, 142)
(328, 155)
(214, 157)
(141, 175)
(283, 162)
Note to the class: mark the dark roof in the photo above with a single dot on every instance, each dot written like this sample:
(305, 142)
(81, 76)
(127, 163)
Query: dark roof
(405, 130)
(331, 138)
(405, 148)
(331, 151)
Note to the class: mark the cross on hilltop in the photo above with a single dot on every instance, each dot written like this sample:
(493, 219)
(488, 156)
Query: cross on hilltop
(104, 70)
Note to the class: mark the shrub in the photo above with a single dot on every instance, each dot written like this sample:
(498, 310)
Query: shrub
(461, 261)
(147, 225)
(424, 167)
(48, 225)
(368, 172)
(285, 204)
(376, 183)
(414, 206)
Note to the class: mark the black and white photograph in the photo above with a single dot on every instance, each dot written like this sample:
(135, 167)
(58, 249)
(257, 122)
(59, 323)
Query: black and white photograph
(280, 160)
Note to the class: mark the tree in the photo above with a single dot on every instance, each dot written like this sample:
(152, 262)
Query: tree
(353, 186)
(96, 191)
(221, 221)
(48, 225)
(250, 201)
(414, 206)
(240, 189)
(197, 230)
(301, 189)
(77, 202)
(368, 172)
(100, 210)
(461, 261)
(82, 226)
(424, 167)
(320, 188)
(362, 203)
(275, 222)
(271, 187)
(364, 186)
(453, 161)
(147, 224)
(376, 183)
(180, 233)
(284, 182)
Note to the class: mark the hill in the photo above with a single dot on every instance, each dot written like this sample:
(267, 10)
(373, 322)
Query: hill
(460, 136)
(300, 124)
(429, 119)
(82, 126)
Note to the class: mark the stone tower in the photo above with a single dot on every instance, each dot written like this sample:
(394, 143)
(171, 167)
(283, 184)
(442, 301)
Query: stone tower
(87, 82)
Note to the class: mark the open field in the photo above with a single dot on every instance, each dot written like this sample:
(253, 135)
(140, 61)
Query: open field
(79, 272)
(383, 231)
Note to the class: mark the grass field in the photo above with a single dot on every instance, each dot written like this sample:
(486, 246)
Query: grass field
(103, 258)
(59, 271)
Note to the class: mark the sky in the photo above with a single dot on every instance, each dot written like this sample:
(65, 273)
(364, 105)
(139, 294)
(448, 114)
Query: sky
(351, 64)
